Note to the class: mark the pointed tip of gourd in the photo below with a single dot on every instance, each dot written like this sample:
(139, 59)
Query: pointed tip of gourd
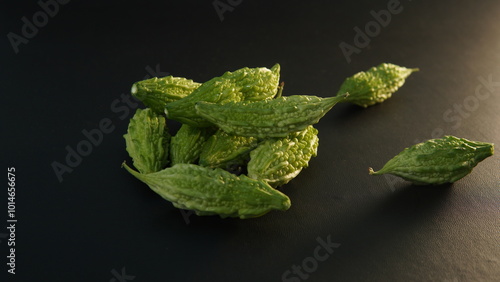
(276, 68)
(124, 165)
(372, 172)
(286, 204)
(409, 71)
(129, 169)
(133, 90)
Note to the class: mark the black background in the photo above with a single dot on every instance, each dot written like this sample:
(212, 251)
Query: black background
(99, 221)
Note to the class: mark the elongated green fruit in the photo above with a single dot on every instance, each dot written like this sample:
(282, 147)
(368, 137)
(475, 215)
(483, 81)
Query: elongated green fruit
(437, 161)
(269, 118)
(223, 150)
(147, 141)
(213, 191)
(246, 84)
(186, 145)
(157, 92)
(375, 85)
(279, 160)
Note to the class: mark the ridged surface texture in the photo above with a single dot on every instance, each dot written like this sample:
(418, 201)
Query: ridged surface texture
(222, 149)
(437, 161)
(375, 85)
(270, 118)
(186, 145)
(246, 84)
(147, 141)
(157, 92)
(214, 191)
(279, 160)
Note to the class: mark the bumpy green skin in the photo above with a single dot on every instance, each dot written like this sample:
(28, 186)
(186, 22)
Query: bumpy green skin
(279, 160)
(214, 191)
(157, 92)
(269, 118)
(375, 85)
(437, 161)
(186, 145)
(147, 141)
(246, 84)
(223, 150)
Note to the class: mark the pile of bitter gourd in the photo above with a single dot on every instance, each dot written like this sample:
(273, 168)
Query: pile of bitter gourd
(240, 138)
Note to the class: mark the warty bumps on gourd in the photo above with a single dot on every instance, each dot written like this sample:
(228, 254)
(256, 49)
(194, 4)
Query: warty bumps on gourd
(279, 160)
(246, 84)
(437, 161)
(147, 140)
(213, 191)
(375, 85)
(156, 92)
(270, 118)
(225, 150)
(187, 144)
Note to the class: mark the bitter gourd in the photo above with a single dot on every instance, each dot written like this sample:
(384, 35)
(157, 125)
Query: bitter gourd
(213, 191)
(375, 85)
(157, 92)
(279, 160)
(269, 118)
(147, 141)
(437, 161)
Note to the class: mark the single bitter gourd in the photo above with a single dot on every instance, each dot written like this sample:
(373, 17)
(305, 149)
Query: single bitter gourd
(269, 118)
(279, 160)
(213, 191)
(147, 141)
(437, 161)
(156, 92)
(375, 85)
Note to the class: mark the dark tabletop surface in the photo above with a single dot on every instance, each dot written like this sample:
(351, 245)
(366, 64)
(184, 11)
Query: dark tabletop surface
(67, 68)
